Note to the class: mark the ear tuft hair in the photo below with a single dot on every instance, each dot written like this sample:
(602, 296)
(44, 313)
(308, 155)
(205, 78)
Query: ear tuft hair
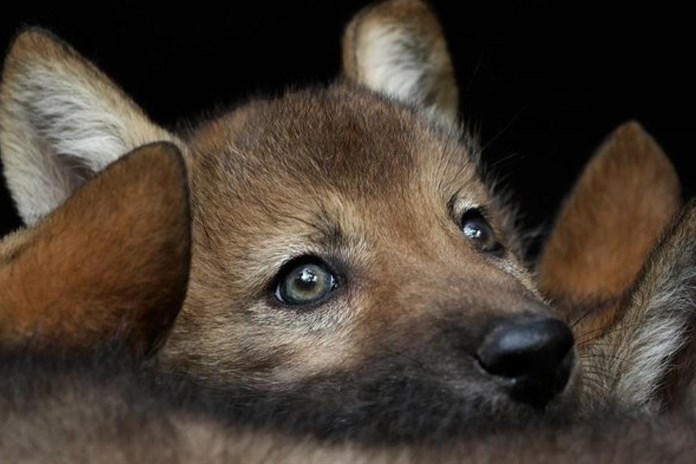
(61, 121)
(397, 48)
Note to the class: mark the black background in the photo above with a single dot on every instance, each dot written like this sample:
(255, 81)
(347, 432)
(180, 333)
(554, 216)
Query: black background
(544, 81)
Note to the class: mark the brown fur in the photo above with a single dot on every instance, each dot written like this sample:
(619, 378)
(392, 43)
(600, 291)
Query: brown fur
(118, 420)
(619, 265)
(646, 360)
(114, 258)
(624, 200)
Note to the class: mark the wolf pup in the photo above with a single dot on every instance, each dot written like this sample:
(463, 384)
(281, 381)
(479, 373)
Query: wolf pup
(349, 258)
(57, 391)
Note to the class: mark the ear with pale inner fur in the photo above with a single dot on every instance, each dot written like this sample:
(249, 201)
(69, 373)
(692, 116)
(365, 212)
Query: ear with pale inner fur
(61, 120)
(397, 48)
(110, 264)
(622, 203)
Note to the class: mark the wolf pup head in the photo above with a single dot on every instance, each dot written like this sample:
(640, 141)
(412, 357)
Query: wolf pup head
(349, 259)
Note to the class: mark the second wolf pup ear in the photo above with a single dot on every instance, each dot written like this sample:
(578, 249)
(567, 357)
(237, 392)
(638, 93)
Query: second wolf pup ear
(61, 120)
(110, 264)
(397, 48)
(625, 198)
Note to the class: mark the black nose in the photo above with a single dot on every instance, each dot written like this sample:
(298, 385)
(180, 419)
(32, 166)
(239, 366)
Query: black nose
(533, 356)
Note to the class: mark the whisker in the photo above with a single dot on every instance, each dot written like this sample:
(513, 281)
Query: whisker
(473, 77)
(504, 159)
(506, 127)
(603, 331)
(583, 316)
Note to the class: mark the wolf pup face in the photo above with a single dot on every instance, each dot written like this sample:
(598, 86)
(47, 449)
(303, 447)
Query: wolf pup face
(348, 259)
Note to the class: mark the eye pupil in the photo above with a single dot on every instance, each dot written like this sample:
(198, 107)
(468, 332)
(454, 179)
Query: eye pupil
(477, 229)
(304, 284)
(306, 278)
(474, 231)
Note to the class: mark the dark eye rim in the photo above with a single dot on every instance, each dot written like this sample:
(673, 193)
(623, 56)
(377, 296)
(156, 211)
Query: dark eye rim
(287, 267)
(497, 249)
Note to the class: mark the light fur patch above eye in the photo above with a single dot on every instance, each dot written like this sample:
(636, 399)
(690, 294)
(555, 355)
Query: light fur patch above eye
(457, 206)
(266, 259)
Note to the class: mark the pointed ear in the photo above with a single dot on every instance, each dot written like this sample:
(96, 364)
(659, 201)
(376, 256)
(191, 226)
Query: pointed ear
(397, 48)
(623, 201)
(110, 264)
(61, 120)
(647, 361)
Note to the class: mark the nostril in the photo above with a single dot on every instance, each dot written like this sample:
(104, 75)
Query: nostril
(517, 348)
(535, 353)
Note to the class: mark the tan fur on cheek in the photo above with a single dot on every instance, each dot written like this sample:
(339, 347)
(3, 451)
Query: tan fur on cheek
(336, 351)
(255, 344)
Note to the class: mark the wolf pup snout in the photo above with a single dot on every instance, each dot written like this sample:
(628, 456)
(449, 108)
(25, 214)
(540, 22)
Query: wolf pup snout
(532, 356)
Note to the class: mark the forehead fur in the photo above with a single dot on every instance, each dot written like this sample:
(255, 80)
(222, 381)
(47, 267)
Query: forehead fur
(342, 138)
(318, 171)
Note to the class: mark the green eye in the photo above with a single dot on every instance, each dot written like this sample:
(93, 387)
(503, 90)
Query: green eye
(477, 229)
(304, 284)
